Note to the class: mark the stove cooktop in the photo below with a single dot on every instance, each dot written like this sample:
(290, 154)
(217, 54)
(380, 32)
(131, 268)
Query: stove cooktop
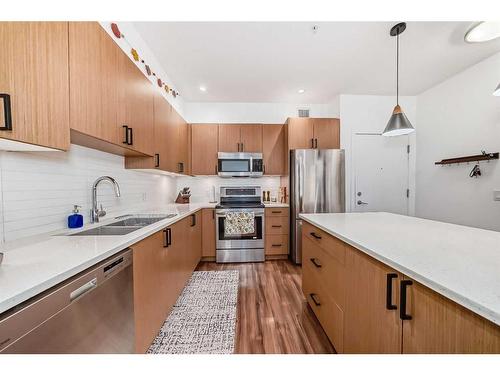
(239, 205)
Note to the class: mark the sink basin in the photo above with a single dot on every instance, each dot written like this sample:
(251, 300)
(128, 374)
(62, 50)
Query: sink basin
(125, 226)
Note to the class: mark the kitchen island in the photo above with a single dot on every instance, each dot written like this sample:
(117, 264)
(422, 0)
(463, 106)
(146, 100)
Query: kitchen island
(411, 283)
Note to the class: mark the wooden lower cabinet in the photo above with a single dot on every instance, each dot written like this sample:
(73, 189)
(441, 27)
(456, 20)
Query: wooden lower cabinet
(276, 231)
(163, 263)
(208, 233)
(357, 301)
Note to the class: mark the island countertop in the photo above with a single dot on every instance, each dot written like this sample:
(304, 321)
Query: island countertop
(459, 262)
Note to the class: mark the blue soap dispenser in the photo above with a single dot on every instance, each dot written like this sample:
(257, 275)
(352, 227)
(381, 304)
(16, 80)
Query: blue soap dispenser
(75, 220)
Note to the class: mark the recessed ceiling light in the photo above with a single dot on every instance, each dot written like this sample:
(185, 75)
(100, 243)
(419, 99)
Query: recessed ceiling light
(483, 32)
(301, 91)
(203, 88)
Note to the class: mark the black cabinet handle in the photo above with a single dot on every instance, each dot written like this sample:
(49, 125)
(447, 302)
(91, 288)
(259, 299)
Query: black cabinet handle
(216, 170)
(315, 142)
(126, 141)
(276, 245)
(318, 237)
(313, 297)
(165, 238)
(213, 214)
(180, 167)
(388, 300)
(263, 169)
(276, 226)
(131, 136)
(276, 212)
(312, 142)
(193, 220)
(7, 114)
(169, 237)
(314, 261)
(402, 300)
(157, 160)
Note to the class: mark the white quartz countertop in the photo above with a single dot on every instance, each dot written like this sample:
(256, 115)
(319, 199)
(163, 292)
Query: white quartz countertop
(36, 264)
(459, 262)
(275, 204)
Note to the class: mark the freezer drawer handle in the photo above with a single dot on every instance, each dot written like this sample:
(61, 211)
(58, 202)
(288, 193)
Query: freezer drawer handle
(87, 287)
(402, 300)
(314, 261)
(318, 237)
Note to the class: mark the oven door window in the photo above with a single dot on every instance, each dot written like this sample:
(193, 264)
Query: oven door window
(254, 236)
(234, 165)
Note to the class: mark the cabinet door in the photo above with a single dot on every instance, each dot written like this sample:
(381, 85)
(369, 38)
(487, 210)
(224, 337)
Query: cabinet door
(439, 325)
(182, 144)
(93, 59)
(274, 149)
(326, 133)
(251, 138)
(161, 114)
(229, 138)
(34, 72)
(136, 100)
(204, 149)
(369, 326)
(208, 232)
(300, 133)
(195, 238)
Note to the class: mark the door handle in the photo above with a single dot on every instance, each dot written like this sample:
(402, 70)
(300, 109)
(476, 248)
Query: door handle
(315, 142)
(312, 142)
(242, 146)
(388, 300)
(360, 202)
(157, 160)
(314, 261)
(125, 142)
(169, 237)
(193, 220)
(87, 287)
(165, 238)
(276, 245)
(402, 300)
(318, 237)
(131, 136)
(313, 297)
(276, 226)
(7, 114)
(180, 167)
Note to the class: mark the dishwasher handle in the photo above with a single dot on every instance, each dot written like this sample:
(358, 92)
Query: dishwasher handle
(85, 288)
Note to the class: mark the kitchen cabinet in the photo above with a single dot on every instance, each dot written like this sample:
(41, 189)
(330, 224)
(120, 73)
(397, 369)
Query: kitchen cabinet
(34, 84)
(208, 233)
(182, 150)
(204, 138)
(240, 138)
(438, 325)
(313, 133)
(163, 263)
(276, 232)
(274, 149)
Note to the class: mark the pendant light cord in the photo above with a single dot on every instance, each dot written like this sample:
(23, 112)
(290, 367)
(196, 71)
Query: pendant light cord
(397, 69)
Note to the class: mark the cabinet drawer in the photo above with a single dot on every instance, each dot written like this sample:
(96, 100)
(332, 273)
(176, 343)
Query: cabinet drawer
(333, 246)
(327, 269)
(277, 225)
(330, 315)
(276, 244)
(277, 211)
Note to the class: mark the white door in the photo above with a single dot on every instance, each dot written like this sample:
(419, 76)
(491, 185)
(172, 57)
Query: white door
(380, 173)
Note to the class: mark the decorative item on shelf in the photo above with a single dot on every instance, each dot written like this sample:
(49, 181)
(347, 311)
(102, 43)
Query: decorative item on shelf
(117, 33)
(183, 196)
(476, 170)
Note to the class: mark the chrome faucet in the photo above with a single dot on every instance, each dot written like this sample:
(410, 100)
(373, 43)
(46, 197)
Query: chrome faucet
(96, 213)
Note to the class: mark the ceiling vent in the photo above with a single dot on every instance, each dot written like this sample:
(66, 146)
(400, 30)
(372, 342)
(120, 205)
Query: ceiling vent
(303, 113)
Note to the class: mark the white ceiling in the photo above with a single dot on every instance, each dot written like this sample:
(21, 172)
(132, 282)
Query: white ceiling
(270, 62)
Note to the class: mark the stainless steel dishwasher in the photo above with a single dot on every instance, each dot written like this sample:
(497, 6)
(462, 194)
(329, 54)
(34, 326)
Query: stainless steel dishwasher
(93, 312)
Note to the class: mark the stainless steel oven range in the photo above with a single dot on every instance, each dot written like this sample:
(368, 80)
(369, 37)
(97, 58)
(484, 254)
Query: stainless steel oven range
(240, 225)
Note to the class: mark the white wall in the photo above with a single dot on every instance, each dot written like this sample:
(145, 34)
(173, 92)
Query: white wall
(268, 113)
(460, 117)
(369, 114)
(39, 190)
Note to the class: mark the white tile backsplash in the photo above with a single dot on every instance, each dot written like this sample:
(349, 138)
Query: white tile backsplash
(38, 190)
(202, 186)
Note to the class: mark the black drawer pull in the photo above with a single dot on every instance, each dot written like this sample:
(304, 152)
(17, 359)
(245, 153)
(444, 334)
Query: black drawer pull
(276, 245)
(165, 238)
(317, 236)
(314, 261)
(276, 212)
(313, 297)
(402, 300)
(169, 237)
(388, 300)
(276, 226)
(157, 160)
(193, 220)
(7, 114)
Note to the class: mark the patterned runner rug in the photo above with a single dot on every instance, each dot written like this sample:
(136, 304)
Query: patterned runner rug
(203, 320)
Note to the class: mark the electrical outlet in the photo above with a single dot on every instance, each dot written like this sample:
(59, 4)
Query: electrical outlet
(496, 195)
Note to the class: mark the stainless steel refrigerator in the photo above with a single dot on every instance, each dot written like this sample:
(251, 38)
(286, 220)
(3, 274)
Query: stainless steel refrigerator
(316, 186)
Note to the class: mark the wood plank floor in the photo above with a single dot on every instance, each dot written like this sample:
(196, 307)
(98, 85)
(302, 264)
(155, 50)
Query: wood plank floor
(273, 316)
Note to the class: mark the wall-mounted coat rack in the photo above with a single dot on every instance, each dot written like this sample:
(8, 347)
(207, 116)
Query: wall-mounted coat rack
(485, 156)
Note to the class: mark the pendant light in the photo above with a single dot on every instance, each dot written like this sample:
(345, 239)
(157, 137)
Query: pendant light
(398, 123)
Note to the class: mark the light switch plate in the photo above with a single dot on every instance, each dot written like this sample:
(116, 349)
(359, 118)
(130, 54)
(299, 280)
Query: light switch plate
(496, 195)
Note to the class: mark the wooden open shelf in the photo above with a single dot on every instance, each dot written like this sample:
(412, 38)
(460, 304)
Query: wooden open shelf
(468, 159)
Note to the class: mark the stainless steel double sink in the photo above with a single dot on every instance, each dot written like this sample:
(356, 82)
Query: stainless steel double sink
(125, 226)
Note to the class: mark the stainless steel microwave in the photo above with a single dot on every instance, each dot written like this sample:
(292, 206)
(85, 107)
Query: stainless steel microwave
(240, 164)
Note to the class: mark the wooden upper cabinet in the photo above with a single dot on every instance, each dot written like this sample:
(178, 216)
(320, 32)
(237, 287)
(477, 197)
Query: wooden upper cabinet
(369, 326)
(251, 138)
(274, 149)
(300, 133)
(93, 59)
(326, 133)
(34, 73)
(135, 110)
(439, 325)
(229, 138)
(204, 139)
